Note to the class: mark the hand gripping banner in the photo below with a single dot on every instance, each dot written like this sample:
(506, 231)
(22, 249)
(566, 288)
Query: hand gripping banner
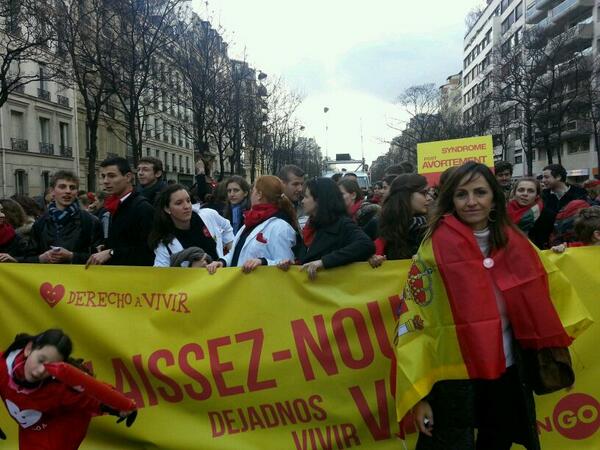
(267, 360)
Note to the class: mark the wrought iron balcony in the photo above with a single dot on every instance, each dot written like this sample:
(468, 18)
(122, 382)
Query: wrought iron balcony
(44, 94)
(46, 148)
(20, 89)
(66, 151)
(62, 100)
(20, 145)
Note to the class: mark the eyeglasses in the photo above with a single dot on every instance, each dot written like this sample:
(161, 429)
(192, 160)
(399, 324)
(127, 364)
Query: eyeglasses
(425, 192)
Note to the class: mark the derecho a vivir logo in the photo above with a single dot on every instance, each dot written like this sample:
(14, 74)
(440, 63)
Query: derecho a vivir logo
(175, 302)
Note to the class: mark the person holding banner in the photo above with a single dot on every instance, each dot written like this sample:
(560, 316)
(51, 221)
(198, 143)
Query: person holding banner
(268, 235)
(481, 293)
(331, 238)
(178, 226)
(51, 399)
(403, 219)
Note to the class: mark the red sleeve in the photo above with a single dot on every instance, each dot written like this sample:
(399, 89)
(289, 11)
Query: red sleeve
(380, 246)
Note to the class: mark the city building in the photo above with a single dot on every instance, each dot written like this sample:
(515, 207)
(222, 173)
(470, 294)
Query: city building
(499, 27)
(38, 134)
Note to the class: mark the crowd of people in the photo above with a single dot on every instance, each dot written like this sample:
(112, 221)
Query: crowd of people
(471, 215)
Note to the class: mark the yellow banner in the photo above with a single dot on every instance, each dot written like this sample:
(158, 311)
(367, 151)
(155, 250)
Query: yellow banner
(266, 360)
(433, 158)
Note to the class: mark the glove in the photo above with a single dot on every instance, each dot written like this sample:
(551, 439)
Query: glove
(129, 418)
(2, 435)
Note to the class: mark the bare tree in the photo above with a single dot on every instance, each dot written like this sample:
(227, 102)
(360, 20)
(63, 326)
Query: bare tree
(591, 95)
(82, 37)
(26, 37)
(143, 32)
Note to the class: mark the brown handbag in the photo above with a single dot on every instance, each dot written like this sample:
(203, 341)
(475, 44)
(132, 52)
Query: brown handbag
(550, 369)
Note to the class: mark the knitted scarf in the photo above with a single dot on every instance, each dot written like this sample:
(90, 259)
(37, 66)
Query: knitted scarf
(524, 216)
(62, 216)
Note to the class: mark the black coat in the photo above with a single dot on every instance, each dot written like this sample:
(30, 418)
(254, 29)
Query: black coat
(152, 191)
(80, 235)
(16, 247)
(542, 228)
(338, 244)
(552, 203)
(128, 233)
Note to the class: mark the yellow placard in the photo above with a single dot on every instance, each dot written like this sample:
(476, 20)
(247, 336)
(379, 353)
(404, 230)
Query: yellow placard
(433, 158)
(267, 360)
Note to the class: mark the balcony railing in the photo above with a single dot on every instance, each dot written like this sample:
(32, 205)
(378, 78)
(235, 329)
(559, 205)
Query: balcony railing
(173, 140)
(44, 94)
(62, 100)
(66, 151)
(20, 145)
(187, 170)
(167, 168)
(174, 168)
(46, 148)
(20, 89)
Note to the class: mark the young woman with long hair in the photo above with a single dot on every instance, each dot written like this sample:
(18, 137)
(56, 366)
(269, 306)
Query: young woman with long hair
(268, 234)
(53, 402)
(361, 211)
(331, 238)
(527, 211)
(238, 201)
(403, 219)
(492, 280)
(178, 226)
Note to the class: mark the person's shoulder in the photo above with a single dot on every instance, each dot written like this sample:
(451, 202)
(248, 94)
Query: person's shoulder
(578, 191)
(86, 215)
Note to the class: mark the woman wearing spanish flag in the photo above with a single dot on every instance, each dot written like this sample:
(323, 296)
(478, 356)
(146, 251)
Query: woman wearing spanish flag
(477, 295)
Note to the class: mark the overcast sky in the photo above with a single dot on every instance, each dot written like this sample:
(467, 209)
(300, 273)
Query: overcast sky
(353, 57)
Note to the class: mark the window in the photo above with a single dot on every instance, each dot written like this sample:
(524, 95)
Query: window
(156, 129)
(44, 130)
(21, 183)
(518, 159)
(518, 11)
(147, 151)
(45, 180)
(64, 134)
(43, 75)
(180, 163)
(16, 120)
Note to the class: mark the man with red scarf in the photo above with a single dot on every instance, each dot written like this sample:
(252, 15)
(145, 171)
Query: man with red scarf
(128, 219)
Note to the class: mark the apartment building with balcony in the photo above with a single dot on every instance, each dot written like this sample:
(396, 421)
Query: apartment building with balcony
(37, 134)
(575, 24)
(500, 24)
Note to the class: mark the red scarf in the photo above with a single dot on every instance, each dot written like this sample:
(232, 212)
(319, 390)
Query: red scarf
(519, 275)
(7, 233)
(353, 209)
(308, 233)
(516, 211)
(112, 202)
(259, 213)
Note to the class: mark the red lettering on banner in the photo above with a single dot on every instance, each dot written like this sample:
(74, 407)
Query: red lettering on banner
(380, 329)
(216, 431)
(257, 337)
(137, 363)
(229, 421)
(368, 354)
(380, 430)
(218, 368)
(254, 419)
(321, 414)
(121, 372)
(196, 350)
(343, 436)
(177, 394)
(322, 350)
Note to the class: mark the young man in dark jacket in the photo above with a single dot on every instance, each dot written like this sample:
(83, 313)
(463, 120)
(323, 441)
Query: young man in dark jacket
(66, 233)
(149, 173)
(128, 218)
(557, 192)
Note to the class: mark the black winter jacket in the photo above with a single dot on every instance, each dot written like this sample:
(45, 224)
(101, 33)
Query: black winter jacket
(80, 235)
(128, 233)
(552, 202)
(338, 244)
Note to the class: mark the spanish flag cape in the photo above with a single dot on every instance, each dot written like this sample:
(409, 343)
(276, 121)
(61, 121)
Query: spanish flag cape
(449, 326)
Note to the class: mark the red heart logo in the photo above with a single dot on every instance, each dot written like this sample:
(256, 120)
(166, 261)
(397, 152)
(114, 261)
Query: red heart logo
(52, 294)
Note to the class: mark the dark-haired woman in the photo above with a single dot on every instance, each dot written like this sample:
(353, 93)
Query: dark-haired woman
(362, 212)
(527, 211)
(403, 219)
(53, 402)
(238, 201)
(490, 279)
(178, 226)
(331, 238)
(268, 235)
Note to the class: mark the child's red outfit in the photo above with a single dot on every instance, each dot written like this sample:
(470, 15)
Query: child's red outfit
(51, 415)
